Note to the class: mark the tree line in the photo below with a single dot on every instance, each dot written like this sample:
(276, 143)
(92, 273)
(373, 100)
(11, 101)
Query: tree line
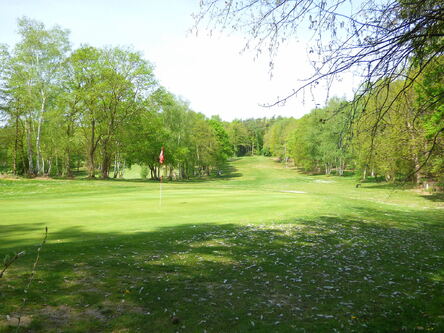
(404, 145)
(396, 47)
(101, 108)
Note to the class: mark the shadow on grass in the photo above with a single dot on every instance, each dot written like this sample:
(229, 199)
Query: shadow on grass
(430, 220)
(435, 197)
(311, 275)
(387, 186)
(228, 172)
(11, 235)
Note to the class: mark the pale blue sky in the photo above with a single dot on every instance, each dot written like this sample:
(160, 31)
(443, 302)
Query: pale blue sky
(211, 73)
(103, 22)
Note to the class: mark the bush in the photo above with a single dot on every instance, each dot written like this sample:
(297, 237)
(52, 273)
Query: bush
(144, 171)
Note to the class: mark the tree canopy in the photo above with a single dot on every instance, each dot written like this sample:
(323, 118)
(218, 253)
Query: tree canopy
(102, 110)
(392, 45)
(101, 107)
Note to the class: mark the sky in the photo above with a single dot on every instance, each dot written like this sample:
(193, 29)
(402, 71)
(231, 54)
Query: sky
(212, 72)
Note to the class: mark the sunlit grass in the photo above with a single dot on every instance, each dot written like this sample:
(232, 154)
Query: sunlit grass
(231, 254)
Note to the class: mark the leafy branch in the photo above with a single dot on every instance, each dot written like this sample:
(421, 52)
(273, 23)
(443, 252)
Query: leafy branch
(9, 261)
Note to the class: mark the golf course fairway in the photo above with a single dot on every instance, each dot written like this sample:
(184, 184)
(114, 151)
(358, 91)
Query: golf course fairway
(261, 248)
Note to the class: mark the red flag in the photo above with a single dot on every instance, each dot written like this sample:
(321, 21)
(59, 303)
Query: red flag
(161, 157)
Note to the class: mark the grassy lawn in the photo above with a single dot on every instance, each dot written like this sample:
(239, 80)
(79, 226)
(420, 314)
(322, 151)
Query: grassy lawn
(245, 252)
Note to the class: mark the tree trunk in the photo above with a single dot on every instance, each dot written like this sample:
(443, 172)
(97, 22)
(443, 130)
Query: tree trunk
(67, 167)
(23, 157)
(121, 169)
(30, 153)
(106, 163)
(49, 167)
(285, 155)
(40, 168)
(91, 151)
(197, 154)
(116, 166)
(68, 170)
(414, 151)
(14, 166)
(58, 169)
(418, 174)
(37, 145)
(327, 170)
(91, 164)
(341, 167)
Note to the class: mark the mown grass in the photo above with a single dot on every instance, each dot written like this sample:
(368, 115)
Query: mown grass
(243, 252)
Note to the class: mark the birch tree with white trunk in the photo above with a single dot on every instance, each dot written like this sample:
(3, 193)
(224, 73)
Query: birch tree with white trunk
(37, 66)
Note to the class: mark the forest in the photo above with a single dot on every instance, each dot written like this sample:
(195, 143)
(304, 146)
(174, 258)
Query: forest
(102, 110)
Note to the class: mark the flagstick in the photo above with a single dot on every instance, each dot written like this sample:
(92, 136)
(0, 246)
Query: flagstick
(161, 160)
(160, 193)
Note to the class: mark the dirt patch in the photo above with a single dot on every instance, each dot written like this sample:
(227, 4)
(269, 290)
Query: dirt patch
(62, 315)
(121, 308)
(12, 320)
(59, 315)
(96, 314)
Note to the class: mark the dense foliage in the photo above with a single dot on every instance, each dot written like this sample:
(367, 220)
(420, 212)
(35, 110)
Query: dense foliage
(101, 109)
(97, 107)
(404, 145)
